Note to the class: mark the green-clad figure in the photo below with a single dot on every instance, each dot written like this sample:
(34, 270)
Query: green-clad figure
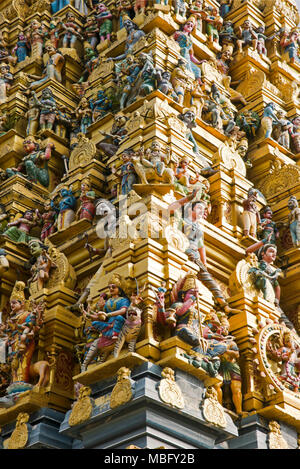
(19, 229)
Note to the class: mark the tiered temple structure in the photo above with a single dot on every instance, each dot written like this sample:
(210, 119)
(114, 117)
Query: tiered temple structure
(150, 224)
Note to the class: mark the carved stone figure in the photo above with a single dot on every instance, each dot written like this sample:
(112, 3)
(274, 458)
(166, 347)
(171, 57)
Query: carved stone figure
(87, 208)
(53, 68)
(269, 118)
(6, 81)
(72, 31)
(180, 79)
(193, 213)
(65, 208)
(246, 36)
(183, 38)
(22, 48)
(126, 172)
(250, 214)
(153, 164)
(103, 17)
(41, 269)
(266, 270)
(18, 230)
(289, 42)
(20, 331)
(213, 22)
(115, 137)
(282, 130)
(34, 165)
(294, 220)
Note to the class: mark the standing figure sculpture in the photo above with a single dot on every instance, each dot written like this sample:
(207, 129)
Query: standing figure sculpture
(22, 48)
(72, 31)
(103, 17)
(65, 208)
(193, 213)
(6, 81)
(183, 38)
(294, 220)
(251, 217)
(87, 208)
(269, 118)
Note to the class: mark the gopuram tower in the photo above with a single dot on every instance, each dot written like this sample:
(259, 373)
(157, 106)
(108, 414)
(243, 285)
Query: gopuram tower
(149, 224)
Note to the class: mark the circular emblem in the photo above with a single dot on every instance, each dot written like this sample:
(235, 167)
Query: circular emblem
(279, 357)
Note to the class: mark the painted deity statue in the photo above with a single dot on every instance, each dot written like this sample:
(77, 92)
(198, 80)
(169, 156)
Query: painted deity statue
(250, 216)
(164, 84)
(100, 106)
(269, 118)
(22, 48)
(65, 208)
(294, 220)
(113, 140)
(48, 109)
(72, 31)
(87, 208)
(153, 164)
(213, 22)
(126, 172)
(103, 17)
(290, 42)
(91, 31)
(21, 330)
(266, 270)
(84, 114)
(32, 115)
(36, 36)
(225, 6)
(195, 9)
(53, 68)
(109, 322)
(40, 271)
(286, 352)
(246, 36)
(6, 81)
(223, 349)
(296, 134)
(48, 221)
(193, 213)
(183, 38)
(124, 8)
(19, 230)
(34, 165)
(283, 130)
(268, 231)
(186, 183)
(180, 79)
(133, 36)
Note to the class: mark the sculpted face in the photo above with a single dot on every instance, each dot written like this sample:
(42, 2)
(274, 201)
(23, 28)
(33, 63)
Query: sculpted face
(189, 26)
(15, 306)
(113, 289)
(270, 255)
(35, 248)
(268, 214)
(292, 203)
(242, 150)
